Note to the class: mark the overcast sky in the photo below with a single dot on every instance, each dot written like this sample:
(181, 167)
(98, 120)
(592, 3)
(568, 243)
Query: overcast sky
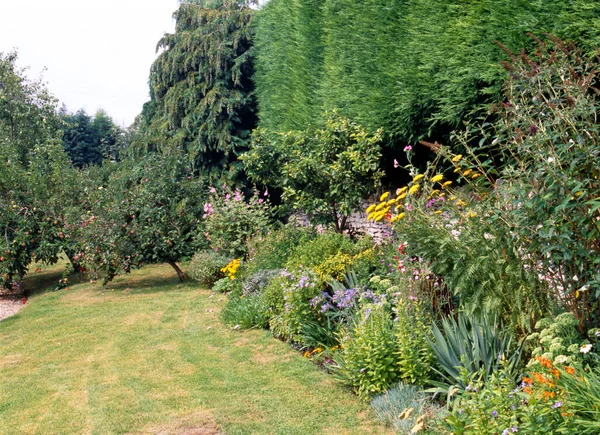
(97, 53)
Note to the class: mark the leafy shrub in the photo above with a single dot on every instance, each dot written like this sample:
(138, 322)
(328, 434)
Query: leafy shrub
(476, 346)
(246, 312)
(498, 406)
(405, 407)
(255, 283)
(271, 251)
(298, 288)
(230, 221)
(225, 285)
(316, 251)
(206, 266)
(413, 352)
(367, 360)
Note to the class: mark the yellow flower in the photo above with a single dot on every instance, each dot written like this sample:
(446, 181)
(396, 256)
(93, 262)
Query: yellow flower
(437, 212)
(390, 202)
(438, 177)
(434, 192)
(460, 203)
(475, 175)
(380, 206)
(418, 177)
(452, 198)
(578, 194)
(384, 196)
(400, 198)
(370, 216)
(471, 214)
(397, 217)
(401, 190)
(457, 170)
(457, 158)
(398, 207)
(446, 184)
(371, 208)
(467, 172)
(413, 189)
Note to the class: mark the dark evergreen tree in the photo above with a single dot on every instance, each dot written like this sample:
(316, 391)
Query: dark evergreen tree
(202, 95)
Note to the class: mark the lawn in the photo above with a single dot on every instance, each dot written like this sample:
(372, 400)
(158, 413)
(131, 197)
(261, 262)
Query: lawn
(148, 355)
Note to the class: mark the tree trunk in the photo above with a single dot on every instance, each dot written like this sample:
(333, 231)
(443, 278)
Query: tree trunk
(180, 273)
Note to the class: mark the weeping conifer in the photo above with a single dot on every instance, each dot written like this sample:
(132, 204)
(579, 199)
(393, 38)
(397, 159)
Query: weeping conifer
(201, 92)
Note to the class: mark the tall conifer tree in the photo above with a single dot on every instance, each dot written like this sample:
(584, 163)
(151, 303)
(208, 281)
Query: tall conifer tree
(202, 95)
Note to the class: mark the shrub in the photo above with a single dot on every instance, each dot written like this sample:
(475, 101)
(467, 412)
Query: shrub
(414, 355)
(246, 312)
(298, 288)
(230, 221)
(271, 251)
(225, 285)
(206, 266)
(367, 360)
(316, 251)
(498, 406)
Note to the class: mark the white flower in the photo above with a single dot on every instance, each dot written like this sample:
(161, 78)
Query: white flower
(585, 348)
(550, 159)
(236, 327)
(210, 327)
(575, 278)
(560, 359)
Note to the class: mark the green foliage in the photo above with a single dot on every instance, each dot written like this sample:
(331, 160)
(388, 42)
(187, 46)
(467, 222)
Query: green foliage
(271, 251)
(246, 312)
(556, 340)
(148, 212)
(226, 285)
(414, 355)
(324, 172)
(496, 406)
(201, 91)
(367, 360)
(318, 250)
(546, 135)
(230, 221)
(583, 395)
(391, 64)
(471, 346)
(88, 140)
(296, 290)
(206, 266)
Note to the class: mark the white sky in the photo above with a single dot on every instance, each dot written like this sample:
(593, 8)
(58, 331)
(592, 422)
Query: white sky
(97, 52)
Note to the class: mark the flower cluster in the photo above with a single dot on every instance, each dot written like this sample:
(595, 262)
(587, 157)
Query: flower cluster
(231, 269)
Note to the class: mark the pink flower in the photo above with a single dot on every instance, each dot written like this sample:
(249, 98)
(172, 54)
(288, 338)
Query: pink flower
(213, 190)
(396, 164)
(407, 148)
(266, 192)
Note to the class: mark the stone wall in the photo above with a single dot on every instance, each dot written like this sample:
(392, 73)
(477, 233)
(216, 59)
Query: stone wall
(357, 223)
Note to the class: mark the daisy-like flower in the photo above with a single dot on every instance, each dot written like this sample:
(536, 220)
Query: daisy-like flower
(414, 188)
(586, 348)
(384, 196)
(436, 178)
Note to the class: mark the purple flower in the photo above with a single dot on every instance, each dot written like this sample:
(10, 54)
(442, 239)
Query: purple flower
(557, 405)
(325, 307)
(514, 429)
(494, 413)
(505, 432)
(362, 370)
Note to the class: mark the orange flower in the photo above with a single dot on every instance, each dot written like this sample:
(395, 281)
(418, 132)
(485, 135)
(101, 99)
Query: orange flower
(555, 373)
(570, 370)
(528, 390)
(548, 395)
(544, 362)
(528, 381)
(539, 378)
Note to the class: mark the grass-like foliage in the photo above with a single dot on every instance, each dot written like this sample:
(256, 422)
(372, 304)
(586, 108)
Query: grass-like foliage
(477, 346)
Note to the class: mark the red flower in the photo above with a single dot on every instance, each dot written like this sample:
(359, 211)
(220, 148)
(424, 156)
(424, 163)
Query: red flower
(24, 301)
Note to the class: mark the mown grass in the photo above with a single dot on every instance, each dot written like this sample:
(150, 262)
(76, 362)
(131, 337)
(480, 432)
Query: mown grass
(149, 355)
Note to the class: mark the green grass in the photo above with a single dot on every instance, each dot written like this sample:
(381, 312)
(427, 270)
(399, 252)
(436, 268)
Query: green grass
(145, 355)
